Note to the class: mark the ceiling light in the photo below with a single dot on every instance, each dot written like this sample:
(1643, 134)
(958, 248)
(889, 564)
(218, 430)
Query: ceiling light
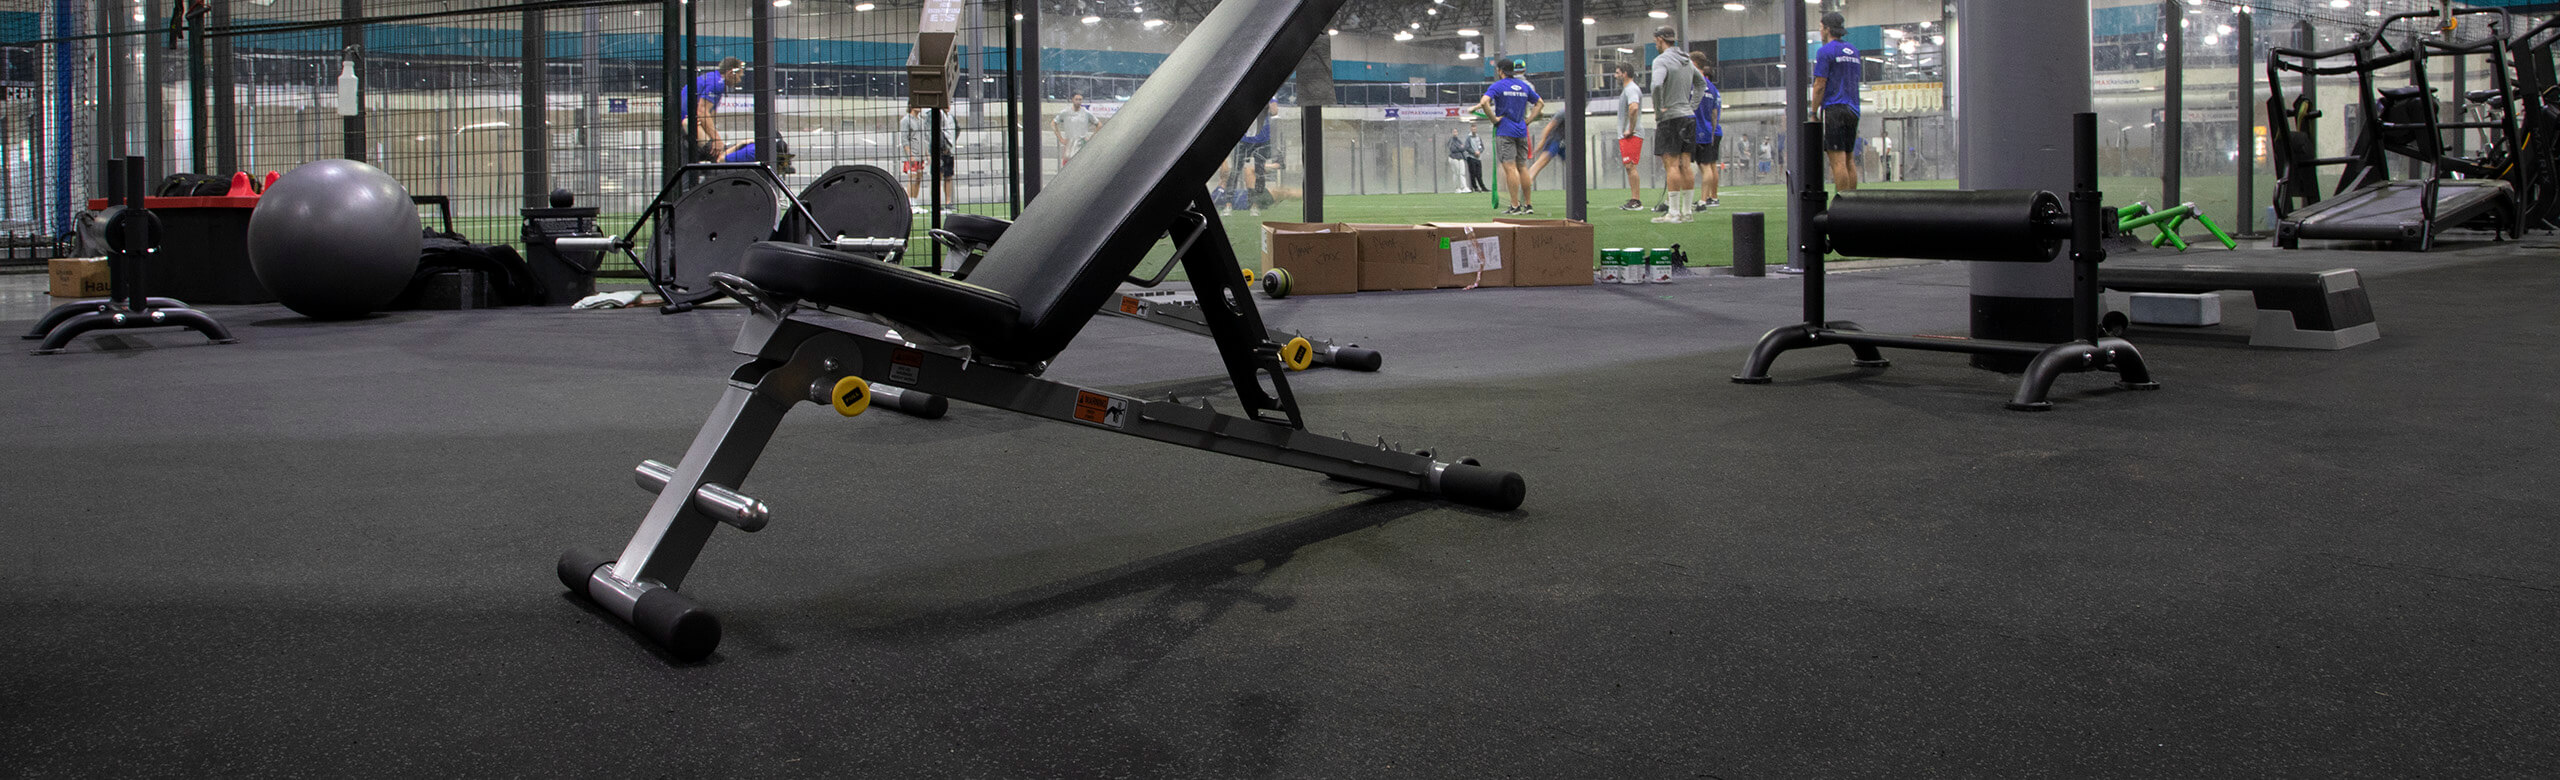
(2337, 3)
(1431, 11)
(1589, 20)
(1091, 19)
(1466, 55)
(2371, 12)
(1658, 14)
(1910, 47)
(781, 3)
(1016, 17)
(1733, 6)
(2222, 29)
(1939, 40)
(1403, 36)
(1524, 27)
(872, 6)
(1468, 32)
(1625, 50)
(1892, 33)
(1152, 23)
(1413, 25)
(1332, 31)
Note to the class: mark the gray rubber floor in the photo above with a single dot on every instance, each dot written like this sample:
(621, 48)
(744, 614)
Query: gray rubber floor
(328, 551)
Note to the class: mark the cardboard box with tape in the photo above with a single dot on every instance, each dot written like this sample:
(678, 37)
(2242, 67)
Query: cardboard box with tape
(1552, 252)
(1323, 258)
(1429, 257)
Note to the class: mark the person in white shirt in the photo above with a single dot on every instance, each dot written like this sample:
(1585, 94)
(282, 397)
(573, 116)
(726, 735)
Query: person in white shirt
(1630, 134)
(1072, 127)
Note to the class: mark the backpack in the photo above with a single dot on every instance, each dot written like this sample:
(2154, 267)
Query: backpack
(1710, 103)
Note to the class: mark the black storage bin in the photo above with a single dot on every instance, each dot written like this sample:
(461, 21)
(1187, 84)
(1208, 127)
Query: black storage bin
(562, 277)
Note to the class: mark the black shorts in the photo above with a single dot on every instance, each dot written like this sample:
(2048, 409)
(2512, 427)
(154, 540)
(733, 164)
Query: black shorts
(1256, 154)
(705, 151)
(1839, 128)
(1708, 153)
(1675, 136)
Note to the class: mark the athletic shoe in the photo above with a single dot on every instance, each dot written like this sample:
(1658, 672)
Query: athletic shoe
(1256, 212)
(1525, 210)
(1701, 205)
(1226, 211)
(1632, 205)
(1662, 208)
(1708, 203)
(1665, 219)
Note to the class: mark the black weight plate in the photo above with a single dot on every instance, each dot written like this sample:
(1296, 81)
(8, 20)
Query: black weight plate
(709, 228)
(858, 201)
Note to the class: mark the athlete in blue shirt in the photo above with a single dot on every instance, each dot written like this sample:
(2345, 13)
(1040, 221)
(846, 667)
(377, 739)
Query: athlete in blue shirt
(1836, 70)
(1513, 103)
(703, 99)
(1252, 153)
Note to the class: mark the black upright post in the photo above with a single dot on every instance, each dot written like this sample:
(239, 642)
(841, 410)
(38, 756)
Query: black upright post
(155, 125)
(2173, 98)
(352, 128)
(1798, 62)
(536, 114)
(760, 22)
(1311, 133)
(1577, 99)
(672, 131)
(198, 82)
(226, 134)
(2243, 222)
(1032, 93)
(111, 130)
(1013, 113)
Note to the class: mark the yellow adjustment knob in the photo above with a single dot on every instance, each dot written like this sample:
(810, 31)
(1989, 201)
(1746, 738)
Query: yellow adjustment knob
(851, 396)
(1298, 354)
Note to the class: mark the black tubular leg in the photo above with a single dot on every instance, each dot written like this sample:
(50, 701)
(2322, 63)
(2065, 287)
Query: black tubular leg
(197, 321)
(71, 329)
(64, 313)
(1755, 370)
(1862, 355)
(2052, 363)
(2131, 372)
(1226, 303)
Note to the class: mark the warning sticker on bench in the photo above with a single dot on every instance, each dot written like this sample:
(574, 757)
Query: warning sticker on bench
(1131, 304)
(904, 365)
(1103, 410)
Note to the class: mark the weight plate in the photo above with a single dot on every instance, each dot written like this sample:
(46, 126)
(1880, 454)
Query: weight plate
(857, 201)
(708, 228)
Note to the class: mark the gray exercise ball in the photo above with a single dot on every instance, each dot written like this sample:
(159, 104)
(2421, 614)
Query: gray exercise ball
(334, 239)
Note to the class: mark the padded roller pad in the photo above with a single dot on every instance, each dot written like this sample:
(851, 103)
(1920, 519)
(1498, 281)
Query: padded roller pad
(976, 228)
(1501, 491)
(948, 310)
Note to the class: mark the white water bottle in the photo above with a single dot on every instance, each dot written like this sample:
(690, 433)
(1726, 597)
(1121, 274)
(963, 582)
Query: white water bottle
(347, 88)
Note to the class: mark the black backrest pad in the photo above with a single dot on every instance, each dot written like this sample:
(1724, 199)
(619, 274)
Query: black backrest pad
(1094, 223)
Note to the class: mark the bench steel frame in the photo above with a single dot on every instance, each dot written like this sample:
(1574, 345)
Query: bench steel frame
(2089, 350)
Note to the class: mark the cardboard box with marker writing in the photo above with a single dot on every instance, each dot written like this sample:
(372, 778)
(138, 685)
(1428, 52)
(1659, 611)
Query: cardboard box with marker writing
(1552, 252)
(1323, 258)
(77, 277)
(1429, 257)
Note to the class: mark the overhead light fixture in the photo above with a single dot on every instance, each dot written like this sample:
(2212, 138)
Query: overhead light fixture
(781, 3)
(1524, 27)
(1413, 25)
(1589, 20)
(876, 6)
(1658, 14)
(1403, 36)
(1431, 11)
(2337, 3)
(1467, 55)
(1625, 50)
(1091, 19)
(1892, 33)
(1910, 47)
(2223, 29)
(1016, 17)
(1469, 32)
(1152, 23)
(1938, 40)
(2372, 12)
(1733, 6)
(1332, 31)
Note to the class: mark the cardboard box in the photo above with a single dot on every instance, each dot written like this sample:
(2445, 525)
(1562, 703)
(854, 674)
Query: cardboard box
(1323, 258)
(1553, 253)
(1487, 262)
(78, 277)
(1398, 257)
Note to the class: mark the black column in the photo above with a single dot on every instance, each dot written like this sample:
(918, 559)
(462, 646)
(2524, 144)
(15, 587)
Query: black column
(1797, 62)
(198, 81)
(226, 135)
(351, 129)
(155, 124)
(535, 112)
(672, 134)
(2173, 98)
(760, 21)
(1311, 133)
(1033, 91)
(2243, 221)
(1577, 99)
(1014, 128)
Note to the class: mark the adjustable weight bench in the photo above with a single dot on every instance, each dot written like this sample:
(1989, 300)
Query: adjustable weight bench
(987, 341)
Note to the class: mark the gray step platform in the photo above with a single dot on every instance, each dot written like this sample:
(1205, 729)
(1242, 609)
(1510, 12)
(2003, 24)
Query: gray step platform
(2325, 309)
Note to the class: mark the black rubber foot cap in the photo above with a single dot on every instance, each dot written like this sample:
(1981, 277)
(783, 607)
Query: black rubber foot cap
(2138, 385)
(2039, 406)
(1750, 380)
(577, 567)
(1871, 363)
(925, 406)
(1358, 359)
(684, 628)
(1500, 491)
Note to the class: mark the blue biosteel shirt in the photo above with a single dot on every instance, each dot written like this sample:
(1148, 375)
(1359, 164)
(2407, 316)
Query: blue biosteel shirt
(1839, 68)
(709, 86)
(1511, 99)
(1261, 130)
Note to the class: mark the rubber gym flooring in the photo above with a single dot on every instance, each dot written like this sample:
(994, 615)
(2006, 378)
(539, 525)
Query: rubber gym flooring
(328, 551)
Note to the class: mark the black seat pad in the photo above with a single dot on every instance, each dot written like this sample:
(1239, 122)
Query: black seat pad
(976, 228)
(943, 309)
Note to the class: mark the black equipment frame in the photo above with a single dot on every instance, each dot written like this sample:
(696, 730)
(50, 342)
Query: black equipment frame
(133, 232)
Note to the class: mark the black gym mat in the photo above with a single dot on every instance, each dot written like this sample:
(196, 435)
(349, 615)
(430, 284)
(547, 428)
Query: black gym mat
(328, 550)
